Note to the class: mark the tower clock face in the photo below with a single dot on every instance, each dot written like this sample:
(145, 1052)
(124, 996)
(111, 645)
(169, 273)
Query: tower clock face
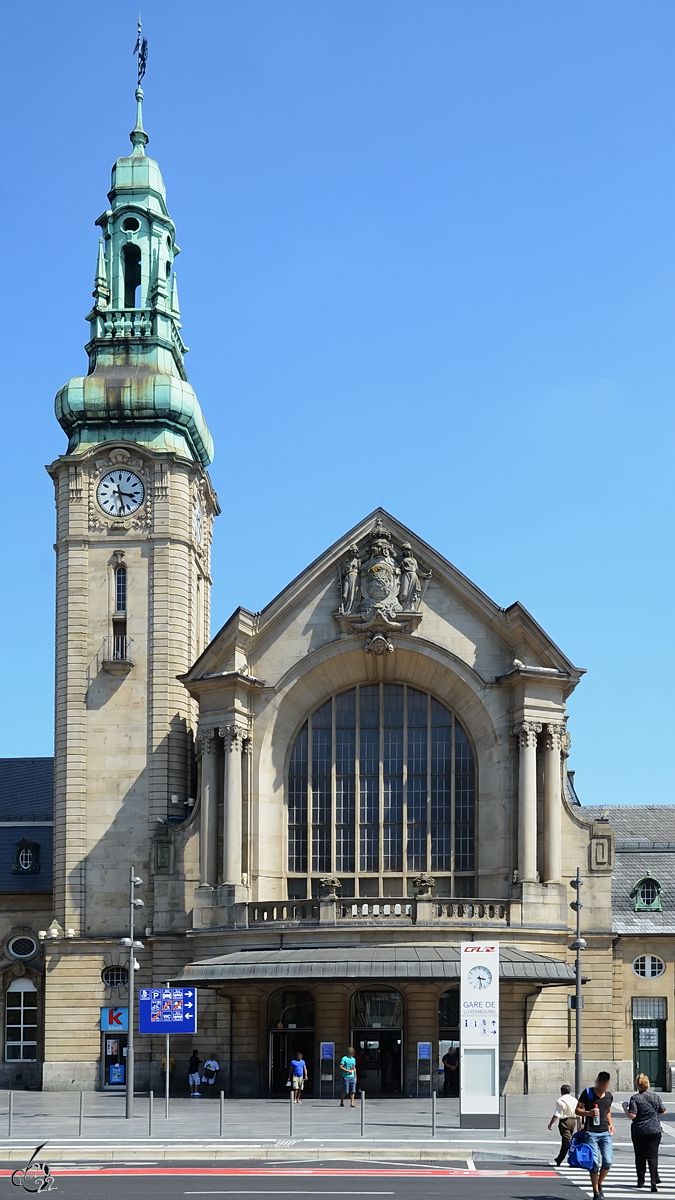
(198, 521)
(480, 978)
(120, 493)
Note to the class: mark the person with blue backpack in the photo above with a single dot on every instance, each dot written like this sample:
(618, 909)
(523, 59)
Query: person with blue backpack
(595, 1107)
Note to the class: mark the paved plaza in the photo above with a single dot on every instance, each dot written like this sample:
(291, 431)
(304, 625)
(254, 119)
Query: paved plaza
(393, 1129)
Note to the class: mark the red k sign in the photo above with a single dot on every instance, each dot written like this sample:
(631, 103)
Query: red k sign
(114, 1020)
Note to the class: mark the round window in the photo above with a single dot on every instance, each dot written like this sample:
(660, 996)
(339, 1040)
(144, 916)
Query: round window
(22, 947)
(131, 224)
(648, 893)
(115, 977)
(649, 966)
(25, 859)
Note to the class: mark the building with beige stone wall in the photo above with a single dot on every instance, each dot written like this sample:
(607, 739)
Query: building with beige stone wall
(325, 798)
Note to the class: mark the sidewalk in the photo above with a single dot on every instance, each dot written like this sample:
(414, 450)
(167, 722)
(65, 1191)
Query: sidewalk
(396, 1130)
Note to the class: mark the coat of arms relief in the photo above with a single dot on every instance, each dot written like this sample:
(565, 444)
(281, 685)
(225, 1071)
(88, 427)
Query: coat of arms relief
(381, 587)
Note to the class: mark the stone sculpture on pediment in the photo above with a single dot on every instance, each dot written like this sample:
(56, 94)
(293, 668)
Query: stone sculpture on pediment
(380, 587)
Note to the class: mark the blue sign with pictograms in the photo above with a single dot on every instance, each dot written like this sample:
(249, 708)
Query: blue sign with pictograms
(167, 1010)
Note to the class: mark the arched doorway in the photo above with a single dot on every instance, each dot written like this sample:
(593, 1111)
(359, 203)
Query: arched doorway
(291, 1028)
(448, 1041)
(377, 1037)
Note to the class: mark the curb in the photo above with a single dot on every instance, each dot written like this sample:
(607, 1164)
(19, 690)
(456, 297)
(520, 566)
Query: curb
(156, 1150)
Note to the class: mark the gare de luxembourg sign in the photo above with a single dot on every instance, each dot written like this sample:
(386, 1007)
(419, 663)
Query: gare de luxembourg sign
(479, 1035)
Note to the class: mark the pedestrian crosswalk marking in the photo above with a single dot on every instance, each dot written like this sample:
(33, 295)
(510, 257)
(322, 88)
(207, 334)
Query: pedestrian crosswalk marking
(621, 1181)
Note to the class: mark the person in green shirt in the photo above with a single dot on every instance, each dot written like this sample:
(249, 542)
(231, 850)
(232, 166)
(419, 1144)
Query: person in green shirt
(348, 1068)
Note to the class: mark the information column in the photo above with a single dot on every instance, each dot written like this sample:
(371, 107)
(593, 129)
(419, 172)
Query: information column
(479, 1035)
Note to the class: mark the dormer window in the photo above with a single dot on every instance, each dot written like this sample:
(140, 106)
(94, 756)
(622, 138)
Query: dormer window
(27, 858)
(647, 894)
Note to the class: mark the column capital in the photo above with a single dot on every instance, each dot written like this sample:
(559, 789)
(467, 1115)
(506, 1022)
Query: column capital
(526, 732)
(555, 737)
(234, 738)
(206, 742)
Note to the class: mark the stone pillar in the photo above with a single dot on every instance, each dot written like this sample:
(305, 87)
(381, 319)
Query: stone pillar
(527, 801)
(233, 738)
(208, 828)
(552, 805)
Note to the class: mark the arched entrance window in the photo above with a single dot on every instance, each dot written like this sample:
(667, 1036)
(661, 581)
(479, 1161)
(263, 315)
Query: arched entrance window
(377, 1037)
(291, 1026)
(381, 785)
(448, 1040)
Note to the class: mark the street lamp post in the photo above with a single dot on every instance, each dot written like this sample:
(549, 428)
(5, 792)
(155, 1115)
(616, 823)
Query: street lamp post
(578, 945)
(134, 903)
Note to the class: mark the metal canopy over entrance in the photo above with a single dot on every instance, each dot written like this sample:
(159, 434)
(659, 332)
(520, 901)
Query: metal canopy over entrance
(377, 963)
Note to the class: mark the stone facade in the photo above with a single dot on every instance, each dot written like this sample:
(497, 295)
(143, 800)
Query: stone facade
(323, 800)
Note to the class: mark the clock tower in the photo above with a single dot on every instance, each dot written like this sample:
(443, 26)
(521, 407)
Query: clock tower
(135, 509)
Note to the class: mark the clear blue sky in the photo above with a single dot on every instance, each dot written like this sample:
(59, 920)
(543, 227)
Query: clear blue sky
(428, 262)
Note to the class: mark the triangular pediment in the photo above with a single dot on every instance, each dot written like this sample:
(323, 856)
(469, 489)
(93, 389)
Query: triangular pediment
(381, 579)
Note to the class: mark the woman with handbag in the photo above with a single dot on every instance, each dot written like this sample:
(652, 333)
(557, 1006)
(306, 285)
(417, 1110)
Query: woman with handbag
(643, 1111)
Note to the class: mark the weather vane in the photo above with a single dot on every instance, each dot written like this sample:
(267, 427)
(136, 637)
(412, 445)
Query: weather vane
(141, 49)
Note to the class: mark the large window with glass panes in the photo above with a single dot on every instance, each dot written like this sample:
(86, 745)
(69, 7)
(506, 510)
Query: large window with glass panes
(381, 787)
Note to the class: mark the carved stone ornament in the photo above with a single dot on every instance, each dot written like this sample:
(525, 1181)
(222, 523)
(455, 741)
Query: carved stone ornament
(423, 884)
(329, 887)
(381, 587)
(379, 643)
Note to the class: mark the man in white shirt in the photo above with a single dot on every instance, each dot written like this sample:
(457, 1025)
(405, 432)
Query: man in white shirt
(565, 1115)
(210, 1069)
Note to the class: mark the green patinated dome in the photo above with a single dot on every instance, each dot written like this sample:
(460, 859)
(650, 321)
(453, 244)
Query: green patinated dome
(157, 410)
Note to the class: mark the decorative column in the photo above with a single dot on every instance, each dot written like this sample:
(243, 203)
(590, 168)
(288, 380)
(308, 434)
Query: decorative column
(233, 741)
(552, 804)
(208, 829)
(527, 801)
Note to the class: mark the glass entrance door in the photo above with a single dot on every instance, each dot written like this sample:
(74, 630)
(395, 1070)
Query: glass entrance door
(114, 1059)
(649, 1042)
(284, 1045)
(379, 1061)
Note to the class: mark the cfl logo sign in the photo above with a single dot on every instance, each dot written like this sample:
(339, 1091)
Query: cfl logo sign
(479, 949)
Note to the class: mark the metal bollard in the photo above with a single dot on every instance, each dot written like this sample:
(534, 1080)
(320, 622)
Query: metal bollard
(290, 1120)
(151, 1101)
(10, 1113)
(81, 1116)
(363, 1112)
(433, 1114)
(222, 1112)
(506, 1130)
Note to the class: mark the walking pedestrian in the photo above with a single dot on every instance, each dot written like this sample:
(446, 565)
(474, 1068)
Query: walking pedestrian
(565, 1115)
(595, 1106)
(348, 1068)
(297, 1076)
(193, 1074)
(643, 1111)
(209, 1071)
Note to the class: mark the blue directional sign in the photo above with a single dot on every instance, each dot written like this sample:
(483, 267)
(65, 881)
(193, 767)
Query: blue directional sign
(167, 1010)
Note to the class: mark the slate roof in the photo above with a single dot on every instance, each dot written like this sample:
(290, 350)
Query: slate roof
(644, 841)
(26, 789)
(369, 962)
(26, 797)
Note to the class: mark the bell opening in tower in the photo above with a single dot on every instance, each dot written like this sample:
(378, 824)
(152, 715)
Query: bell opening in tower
(131, 260)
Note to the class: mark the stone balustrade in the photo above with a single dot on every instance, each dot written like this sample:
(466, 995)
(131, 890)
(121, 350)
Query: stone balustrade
(218, 908)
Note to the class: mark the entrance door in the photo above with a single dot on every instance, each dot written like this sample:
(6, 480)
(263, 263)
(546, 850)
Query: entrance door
(284, 1045)
(649, 1051)
(379, 1061)
(114, 1059)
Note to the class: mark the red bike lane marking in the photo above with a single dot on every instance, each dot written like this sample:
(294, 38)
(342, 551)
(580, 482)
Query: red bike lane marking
(294, 1173)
